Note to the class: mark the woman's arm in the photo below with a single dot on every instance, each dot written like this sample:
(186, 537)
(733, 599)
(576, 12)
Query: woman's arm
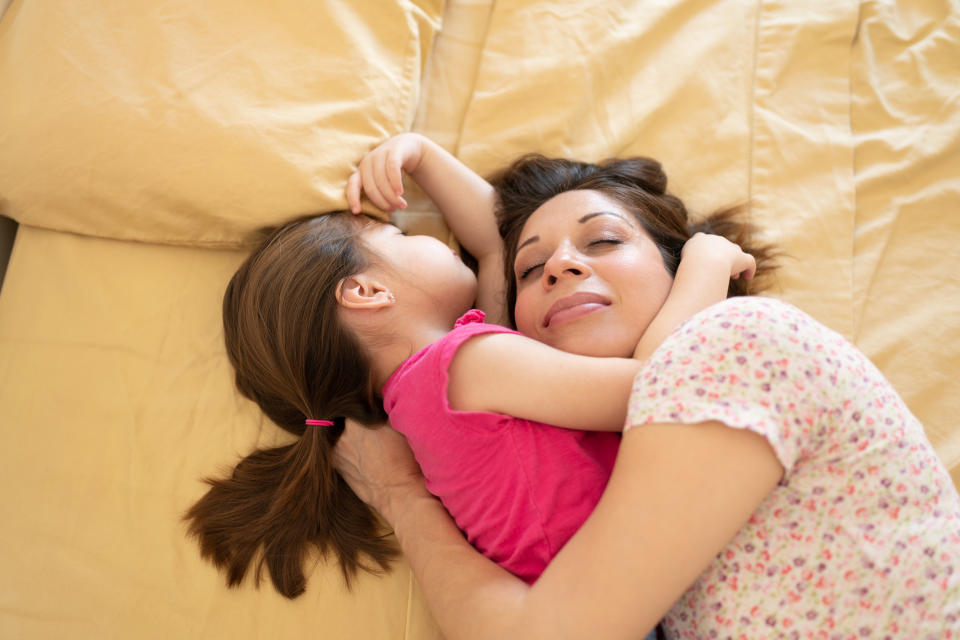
(677, 496)
(464, 198)
(707, 264)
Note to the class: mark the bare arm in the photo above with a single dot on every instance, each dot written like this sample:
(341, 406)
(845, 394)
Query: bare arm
(514, 375)
(707, 264)
(464, 198)
(677, 496)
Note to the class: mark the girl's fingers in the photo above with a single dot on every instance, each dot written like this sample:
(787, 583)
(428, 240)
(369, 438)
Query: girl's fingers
(353, 192)
(381, 174)
(394, 169)
(370, 186)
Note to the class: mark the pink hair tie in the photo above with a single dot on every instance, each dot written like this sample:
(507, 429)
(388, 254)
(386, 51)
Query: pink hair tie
(319, 423)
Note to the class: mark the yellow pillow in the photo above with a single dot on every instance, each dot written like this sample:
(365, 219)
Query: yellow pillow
(198, 122)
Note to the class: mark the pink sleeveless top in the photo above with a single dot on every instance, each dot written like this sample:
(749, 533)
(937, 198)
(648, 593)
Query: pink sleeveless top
(518, 489)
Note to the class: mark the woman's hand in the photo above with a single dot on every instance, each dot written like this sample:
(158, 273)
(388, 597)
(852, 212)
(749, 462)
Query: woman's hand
(377, 464)
(719, 250)
(380, 174)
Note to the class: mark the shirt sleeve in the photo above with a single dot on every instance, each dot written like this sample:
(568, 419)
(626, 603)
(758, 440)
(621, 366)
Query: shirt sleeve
(749, 363)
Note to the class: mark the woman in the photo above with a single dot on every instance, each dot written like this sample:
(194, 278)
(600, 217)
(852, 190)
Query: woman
(770, 483)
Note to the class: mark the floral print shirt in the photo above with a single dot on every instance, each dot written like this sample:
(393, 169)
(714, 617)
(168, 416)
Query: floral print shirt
(861, 538)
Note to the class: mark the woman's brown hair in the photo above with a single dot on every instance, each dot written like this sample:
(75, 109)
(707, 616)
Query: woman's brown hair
(294, 357)
(639, 184)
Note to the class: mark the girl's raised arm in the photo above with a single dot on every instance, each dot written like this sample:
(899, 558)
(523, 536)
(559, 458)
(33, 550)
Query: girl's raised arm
(464, 198)
(707, 264)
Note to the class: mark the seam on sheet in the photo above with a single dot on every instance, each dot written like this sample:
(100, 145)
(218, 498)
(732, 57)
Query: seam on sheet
(218, 245)
(409, 613)
(6, 6)
(405, 115)
(476, 74)
(753, 108)
(856, 316)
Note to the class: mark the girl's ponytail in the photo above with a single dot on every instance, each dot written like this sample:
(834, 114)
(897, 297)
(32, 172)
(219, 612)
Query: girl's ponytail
(295, 359)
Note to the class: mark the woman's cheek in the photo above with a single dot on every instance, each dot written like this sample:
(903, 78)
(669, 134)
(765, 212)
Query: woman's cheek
(522, 313)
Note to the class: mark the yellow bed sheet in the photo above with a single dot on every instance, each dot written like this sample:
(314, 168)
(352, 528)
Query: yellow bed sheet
(838, 122)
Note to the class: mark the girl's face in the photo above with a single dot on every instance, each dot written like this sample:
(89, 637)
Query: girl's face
(429, 270)
(589, 278)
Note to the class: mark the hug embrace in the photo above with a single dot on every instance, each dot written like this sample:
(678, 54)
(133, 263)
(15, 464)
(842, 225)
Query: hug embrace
(598, 430)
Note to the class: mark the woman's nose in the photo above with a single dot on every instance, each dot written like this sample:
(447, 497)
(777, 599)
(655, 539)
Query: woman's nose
(564, 263)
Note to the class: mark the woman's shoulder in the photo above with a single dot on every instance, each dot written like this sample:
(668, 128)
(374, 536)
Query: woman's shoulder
(752, 309)
(747, 332)
(755, 320)
(748, 362)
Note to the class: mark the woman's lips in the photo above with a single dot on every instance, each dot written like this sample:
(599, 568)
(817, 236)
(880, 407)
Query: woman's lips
(572, 307)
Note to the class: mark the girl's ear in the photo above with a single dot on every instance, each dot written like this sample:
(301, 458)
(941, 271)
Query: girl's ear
(362, 291)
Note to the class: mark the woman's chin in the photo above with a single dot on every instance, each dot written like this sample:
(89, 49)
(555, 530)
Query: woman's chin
(597, 344)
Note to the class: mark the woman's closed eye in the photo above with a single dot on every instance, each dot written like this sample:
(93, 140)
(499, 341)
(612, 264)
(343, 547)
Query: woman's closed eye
(605, 241)
(522, 274)
(600, 243)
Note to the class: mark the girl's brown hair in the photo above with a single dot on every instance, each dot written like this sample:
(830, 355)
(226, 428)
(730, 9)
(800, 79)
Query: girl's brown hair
(294, 358)
(639, 184)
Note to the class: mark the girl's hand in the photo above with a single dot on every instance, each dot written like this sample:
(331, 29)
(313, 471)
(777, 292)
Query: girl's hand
(377, 463)
(718, 250)
(380, 173)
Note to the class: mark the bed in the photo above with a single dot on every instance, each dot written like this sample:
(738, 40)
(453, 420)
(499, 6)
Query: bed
(144, 145)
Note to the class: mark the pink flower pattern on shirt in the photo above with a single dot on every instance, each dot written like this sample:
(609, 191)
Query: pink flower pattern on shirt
(861, 538)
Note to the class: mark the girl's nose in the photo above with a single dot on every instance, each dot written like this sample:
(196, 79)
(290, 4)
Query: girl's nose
(565, 262)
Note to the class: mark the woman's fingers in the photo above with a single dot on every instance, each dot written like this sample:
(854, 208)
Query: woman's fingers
(375, 462)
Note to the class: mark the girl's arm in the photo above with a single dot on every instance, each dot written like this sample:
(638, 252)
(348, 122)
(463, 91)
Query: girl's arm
(707, 264)
(465, 199)
(677, 496)
(515, 375)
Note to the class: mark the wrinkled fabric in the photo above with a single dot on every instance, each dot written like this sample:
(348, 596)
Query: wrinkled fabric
(836, 122)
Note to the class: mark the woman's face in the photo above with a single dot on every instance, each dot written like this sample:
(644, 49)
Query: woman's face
(589, 278)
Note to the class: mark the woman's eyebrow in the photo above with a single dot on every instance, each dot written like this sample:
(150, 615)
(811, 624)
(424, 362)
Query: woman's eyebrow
(529, 240)
(590, 216)
(585, 218)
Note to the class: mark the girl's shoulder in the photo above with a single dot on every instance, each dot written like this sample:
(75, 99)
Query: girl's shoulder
(431, 362)
(472, 323)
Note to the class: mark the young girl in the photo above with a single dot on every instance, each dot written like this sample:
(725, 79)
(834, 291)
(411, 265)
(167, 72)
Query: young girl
(332, 313)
